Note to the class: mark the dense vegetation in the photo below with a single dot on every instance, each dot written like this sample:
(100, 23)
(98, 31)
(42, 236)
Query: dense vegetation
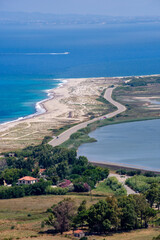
(59, 164)
(113, 214)
(142, 183)
(117, 187)
(24, 190)
(149, 186)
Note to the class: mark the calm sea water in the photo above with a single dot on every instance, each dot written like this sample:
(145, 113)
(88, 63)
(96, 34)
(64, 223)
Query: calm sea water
(134, 144)
(114, 50)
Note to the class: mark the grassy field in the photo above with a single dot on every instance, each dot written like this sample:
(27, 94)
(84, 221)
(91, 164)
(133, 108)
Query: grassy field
(102, 189)
(21, 219)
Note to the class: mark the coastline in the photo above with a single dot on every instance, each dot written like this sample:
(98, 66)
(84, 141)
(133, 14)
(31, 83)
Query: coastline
(40, 107)
(53, 113)
(68, 104)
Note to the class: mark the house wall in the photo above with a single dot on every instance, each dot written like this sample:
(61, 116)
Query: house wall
(26, 182)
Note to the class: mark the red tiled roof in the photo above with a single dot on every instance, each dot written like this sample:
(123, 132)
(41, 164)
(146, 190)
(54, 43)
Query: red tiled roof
(41, 170)
(78, 231)
(27, 178)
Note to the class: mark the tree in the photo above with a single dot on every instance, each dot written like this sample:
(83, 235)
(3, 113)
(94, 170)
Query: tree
(116, 212)
(103, 216)
(149, 213)
(152, 194)
(62, 169)
(11, 175)
(81, 218)
(62, 215)
(141, 207)
(129, 215)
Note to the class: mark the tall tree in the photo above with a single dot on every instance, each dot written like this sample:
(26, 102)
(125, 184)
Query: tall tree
(62, 215)
(81, 218)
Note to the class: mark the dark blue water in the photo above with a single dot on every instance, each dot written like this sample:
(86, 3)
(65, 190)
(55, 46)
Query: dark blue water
(132, 144)
(114, 50)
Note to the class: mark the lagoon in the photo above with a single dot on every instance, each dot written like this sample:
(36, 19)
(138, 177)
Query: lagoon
(135, 144)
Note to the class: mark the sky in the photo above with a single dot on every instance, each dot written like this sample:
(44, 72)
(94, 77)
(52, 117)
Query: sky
(99, 7)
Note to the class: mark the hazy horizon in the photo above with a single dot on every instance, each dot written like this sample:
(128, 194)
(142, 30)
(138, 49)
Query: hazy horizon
(124, 8)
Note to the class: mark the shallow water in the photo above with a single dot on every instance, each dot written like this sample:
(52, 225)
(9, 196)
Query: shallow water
(134, 144)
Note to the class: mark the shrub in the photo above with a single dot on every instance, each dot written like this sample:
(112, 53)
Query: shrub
(117, 187)
(56, 191)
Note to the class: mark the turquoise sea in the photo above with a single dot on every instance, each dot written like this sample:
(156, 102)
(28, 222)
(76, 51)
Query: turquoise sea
(28, 67)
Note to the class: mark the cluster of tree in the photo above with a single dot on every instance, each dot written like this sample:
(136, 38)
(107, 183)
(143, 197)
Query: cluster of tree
(142, 183)
(81, 187)
(56, 190)
(135, 172)
(24, 190)
(113, 214)
(128, 172)
(153, 195)
(117, 187)
(60, 163)
(20, 162)
(11, 175)
(137, 82)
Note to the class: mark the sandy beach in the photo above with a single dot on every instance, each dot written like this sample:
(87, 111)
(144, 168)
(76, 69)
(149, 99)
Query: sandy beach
(71, 103)
(74, 101)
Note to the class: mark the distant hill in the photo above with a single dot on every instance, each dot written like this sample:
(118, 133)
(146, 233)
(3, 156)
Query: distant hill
(35, 18)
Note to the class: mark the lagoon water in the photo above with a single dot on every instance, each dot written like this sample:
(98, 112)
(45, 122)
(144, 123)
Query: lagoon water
(94, 51)
(133, 144)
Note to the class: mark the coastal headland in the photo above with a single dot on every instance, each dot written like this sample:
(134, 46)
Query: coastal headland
(81, 100)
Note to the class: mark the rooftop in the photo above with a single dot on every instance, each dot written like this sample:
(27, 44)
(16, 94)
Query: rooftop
(27, 178)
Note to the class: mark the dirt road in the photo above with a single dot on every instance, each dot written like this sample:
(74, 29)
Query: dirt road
(66, 135)
(122, 180)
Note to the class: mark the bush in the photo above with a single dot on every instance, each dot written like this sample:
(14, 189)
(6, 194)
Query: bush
(117, 187)
(81, 187)
(23, 190)
(46, 139)
(76, 135)
(141, 183)
(56, 190)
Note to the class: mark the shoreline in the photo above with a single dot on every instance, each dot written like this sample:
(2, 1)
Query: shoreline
(116, 166)
(40, 107)
(69, 104)
(51, 113)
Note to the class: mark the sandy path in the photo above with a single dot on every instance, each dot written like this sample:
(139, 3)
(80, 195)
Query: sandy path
(122, 181)
(66, 135)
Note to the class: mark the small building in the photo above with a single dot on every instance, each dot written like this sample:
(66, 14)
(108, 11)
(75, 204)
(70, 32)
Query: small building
(71, 115)
(79, 233)
(11, 154)
(27, 180)
(41, 171)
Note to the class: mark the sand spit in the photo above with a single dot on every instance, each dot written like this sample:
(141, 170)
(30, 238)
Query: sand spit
(70, 103)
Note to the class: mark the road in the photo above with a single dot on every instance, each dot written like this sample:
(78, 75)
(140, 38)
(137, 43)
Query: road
(66, 135)
(122, 180)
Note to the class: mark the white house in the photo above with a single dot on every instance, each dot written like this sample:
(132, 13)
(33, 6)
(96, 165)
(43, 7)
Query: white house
(27, 180)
